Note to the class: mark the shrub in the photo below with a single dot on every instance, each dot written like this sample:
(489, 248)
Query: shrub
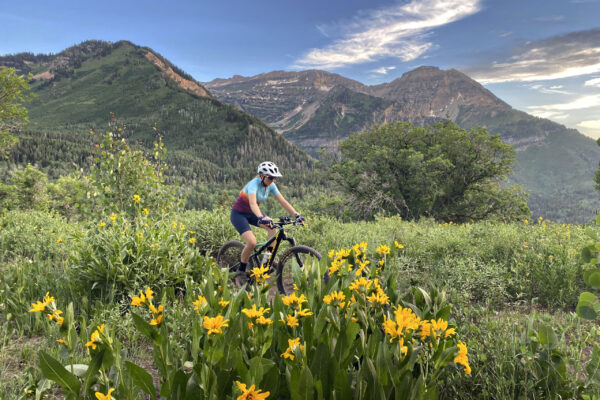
(115, 255)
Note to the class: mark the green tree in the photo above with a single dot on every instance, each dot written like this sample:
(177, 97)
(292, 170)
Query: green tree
(124, 179)
(13, 115)
(439, 171)
(30, 189)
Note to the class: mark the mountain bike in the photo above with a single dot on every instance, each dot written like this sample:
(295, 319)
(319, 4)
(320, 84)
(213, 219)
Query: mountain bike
(297, 255)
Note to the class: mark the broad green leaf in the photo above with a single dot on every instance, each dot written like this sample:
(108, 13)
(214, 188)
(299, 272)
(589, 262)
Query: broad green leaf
(594, 279)
(141, 378)
(178, 385)
(586, 312)
(144, 327)
(93, 368)
(306, 387)
(547, 336)
(341, 385)
(54, 371)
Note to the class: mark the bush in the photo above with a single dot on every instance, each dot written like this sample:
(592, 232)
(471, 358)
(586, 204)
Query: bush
(211, 229)
(114, 255)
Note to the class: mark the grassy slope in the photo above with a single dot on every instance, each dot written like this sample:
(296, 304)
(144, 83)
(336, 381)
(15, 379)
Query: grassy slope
(204, 135)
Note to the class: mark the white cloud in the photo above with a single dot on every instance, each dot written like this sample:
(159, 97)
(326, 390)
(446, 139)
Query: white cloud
(564, 56)
(593, 124)
(593, 82)
(554, 115)
(555, 89)
(577, 104)
(383, 70)
(590, 128)
(399, 31)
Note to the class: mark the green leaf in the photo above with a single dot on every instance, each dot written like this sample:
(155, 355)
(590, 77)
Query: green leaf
(592, 368)
(144, 327)
(547, 336)
(92, 371)
(178, 385)
(54, 371)
(141, 378)
(306, 385)
(586, 312)
(341, 385)
(594, 279)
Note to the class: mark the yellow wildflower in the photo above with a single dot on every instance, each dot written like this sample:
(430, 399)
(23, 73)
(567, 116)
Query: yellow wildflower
(361, 285)
(149, 293)
(201, 302)
(336, 297)
(113, 217)
(102, 396)
(293, 344)
(192, 240)
(102, 224)
(38, 306)
(251, 394)
(406, 319)
(174, 224)
(263, 321)
(304, 313)
(290, 321)
(223, 302)
(260, 274)
(95, 338)
(254, 312)
(136, 198)
(145, 211)
(462, 358)
(383, 250)
(214, 325)
(156, 320)
(398, 245)
(59, 240)
(379, 298)
(139, 234)
(293, 300)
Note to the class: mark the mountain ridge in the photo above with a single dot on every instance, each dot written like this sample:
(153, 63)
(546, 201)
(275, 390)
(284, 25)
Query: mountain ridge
(312, 119)
(79, 88)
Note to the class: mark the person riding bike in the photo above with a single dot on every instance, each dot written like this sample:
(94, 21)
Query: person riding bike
(245, 210)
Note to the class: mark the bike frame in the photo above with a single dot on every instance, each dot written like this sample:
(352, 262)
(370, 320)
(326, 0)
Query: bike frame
(278, 237)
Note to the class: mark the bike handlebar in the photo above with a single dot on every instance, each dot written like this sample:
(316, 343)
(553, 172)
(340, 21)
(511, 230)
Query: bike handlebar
(285, 221)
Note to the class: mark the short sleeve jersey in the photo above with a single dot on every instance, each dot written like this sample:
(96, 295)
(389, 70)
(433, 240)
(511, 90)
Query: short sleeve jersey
(242, 204)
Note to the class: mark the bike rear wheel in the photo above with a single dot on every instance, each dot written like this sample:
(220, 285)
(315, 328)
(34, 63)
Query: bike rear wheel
(229, 255)
(296, 256)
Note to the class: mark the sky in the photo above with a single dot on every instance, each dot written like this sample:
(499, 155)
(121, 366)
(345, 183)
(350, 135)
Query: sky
(541, 57)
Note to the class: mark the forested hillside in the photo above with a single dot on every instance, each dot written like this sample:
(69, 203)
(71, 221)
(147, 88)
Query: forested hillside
(78, 91)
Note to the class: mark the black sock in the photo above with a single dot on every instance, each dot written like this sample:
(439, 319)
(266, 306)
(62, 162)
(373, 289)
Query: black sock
(243, 266)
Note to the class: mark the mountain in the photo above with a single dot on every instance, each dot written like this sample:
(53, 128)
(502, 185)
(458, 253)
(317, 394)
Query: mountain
(78, 90)
(555, 164)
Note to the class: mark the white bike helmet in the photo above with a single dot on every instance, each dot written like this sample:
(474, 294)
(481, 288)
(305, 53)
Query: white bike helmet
(269, 168)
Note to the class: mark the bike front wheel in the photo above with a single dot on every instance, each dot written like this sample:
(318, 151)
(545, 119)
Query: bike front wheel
(294, 257)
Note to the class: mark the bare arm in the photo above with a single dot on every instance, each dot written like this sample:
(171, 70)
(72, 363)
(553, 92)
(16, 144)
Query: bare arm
(254, 205)
(287, 206)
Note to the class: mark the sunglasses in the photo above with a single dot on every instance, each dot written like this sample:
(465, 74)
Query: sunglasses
(271, 178)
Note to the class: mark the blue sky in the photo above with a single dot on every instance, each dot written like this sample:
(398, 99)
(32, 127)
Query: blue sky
(542, 57)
